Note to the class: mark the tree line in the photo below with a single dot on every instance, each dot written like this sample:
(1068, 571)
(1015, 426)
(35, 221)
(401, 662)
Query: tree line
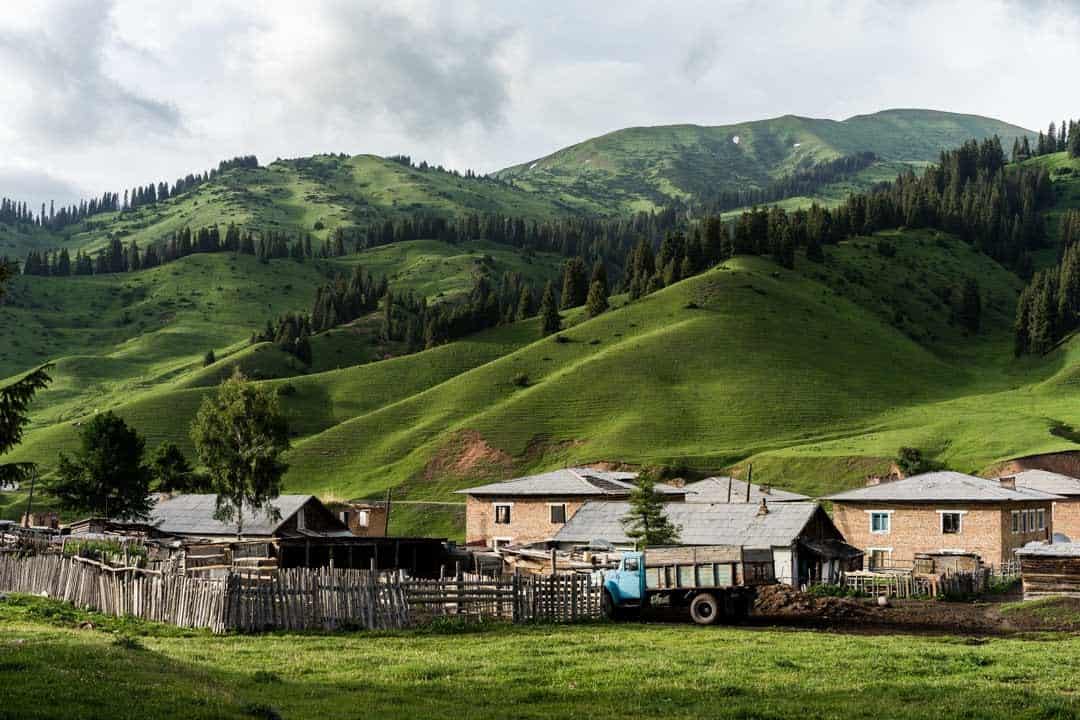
(1057, 138)
(1049, 306)
(804, 181)
(13, 212)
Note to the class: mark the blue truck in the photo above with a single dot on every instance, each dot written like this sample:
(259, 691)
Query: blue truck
(715, 582)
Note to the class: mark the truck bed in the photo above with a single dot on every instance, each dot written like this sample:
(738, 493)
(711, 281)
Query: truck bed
(713, 566)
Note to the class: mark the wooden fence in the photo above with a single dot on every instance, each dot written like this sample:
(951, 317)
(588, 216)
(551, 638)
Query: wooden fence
(300, 598)
(517, 598)
(898, 585)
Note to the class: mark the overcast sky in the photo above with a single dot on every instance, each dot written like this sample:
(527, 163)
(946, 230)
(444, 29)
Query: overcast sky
(103, 95)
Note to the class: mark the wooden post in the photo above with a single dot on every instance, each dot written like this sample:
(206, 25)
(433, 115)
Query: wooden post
(553, 561)
(749, 477)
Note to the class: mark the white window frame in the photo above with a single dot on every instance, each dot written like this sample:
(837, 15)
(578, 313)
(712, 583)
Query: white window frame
(496, 542)
(888, 515)
(363, 518)
(1031, 520)
(555, 505)
(1041, 515)
(509, 513)
(1016, 525)
(870, 555)
(959, 525)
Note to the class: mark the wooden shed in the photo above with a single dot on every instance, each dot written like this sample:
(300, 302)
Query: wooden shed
(1050, 569)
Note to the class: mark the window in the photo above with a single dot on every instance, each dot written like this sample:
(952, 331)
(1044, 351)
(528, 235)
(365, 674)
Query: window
(630, 564)
(362, 518)
(300, 520)
(501, 542)
(558, 513)
(1016, 521)
(880, 522)
(879, 558)
(950, 523)
(502, 513)
(1042, 519)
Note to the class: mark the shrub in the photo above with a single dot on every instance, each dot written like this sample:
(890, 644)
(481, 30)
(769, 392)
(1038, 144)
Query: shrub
(209, 358)
(521, 380)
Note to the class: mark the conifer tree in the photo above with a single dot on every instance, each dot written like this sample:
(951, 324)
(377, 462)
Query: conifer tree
(550, 321)
(645, 522)
(597, 302)
(575, 286)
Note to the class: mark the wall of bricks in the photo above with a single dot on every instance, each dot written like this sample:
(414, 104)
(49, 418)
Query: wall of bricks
(986, 529)
(530, 519)
(1067, 518)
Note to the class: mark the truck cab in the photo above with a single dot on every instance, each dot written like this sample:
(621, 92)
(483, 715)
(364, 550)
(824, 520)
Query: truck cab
(625, 585)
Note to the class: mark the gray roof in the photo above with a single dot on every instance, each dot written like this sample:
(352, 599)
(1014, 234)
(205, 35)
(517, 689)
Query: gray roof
(700, 523)
(568, 481)
(1069, 549)
(944, 486)
(715, 490)
(194, 515)
(1048, 482)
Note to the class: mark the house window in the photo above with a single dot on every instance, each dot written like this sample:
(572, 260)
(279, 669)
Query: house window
(500, 542)
(558, 513)
(1042, 519)
(950, 523)
(1016, 521)
(300, 520)
(502, 513)
(1031, 520)
(879, 558)
(880, 523)
(362, 518)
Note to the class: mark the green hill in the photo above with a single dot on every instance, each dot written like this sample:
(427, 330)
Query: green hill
(646, 167)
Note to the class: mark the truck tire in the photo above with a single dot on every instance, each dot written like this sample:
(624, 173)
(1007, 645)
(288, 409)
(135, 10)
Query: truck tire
(705, 609)
(607, 607)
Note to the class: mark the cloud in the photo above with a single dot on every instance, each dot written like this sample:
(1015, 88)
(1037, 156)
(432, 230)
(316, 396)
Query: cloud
(700, 57)
(60, 91)
(421, 69)
(36, 186)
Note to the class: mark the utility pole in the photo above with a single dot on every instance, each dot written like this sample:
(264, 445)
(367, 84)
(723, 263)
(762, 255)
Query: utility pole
(30, 497)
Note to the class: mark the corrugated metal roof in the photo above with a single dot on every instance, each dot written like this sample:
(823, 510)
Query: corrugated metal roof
(1046, 481)
(700, 523)
(715, 490)
(941, 487)
(568, 481)
(194, 515)
(1069, 549)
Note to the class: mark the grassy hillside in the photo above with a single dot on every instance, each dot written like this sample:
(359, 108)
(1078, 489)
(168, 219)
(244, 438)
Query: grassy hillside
(827, 369)
(311, 195)
(645, 167)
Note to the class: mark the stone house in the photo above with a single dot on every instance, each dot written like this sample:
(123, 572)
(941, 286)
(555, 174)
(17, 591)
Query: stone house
(803, 543)
(533, 509)
(942, 512)
(1066, 512)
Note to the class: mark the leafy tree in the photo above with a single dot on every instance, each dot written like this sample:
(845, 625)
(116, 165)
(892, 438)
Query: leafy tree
(550, 320)
(911, 462)
(14, 401)
(173, 473)
(646, 522)
(597, 302)
(239, 435)
(106, 476)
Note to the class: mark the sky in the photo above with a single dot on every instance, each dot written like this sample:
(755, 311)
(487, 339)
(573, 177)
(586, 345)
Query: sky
(102, 95)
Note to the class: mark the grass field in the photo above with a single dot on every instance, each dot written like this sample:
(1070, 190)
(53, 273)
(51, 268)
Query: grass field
(49, 669)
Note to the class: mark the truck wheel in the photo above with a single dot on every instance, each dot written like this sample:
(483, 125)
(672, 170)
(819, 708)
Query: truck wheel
(704, 609)
(607, 607)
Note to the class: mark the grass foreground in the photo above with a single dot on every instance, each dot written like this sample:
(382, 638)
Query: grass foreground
(51, 669)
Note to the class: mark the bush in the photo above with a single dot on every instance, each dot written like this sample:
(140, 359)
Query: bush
(521, 380)
(832, 590)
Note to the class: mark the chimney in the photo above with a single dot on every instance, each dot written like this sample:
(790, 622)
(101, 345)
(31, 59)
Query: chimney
(1008, 482)
(763, 509)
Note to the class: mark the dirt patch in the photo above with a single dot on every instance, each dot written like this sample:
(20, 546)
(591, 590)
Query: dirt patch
(544, 446)
(784, 601)
(468, 454)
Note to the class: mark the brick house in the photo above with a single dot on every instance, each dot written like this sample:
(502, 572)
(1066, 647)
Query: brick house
(533, 509)
(365, 518)
(938, 512)
(1066, 511)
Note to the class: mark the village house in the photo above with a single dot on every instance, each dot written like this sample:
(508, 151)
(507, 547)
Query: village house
(805, 545)
(1066, 510)
(895, 521)
(366, 518)
(532, 509)
(731, 490)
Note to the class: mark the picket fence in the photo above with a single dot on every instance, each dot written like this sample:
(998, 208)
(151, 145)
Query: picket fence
(290, 599)
(516, 598)
(300, 598)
